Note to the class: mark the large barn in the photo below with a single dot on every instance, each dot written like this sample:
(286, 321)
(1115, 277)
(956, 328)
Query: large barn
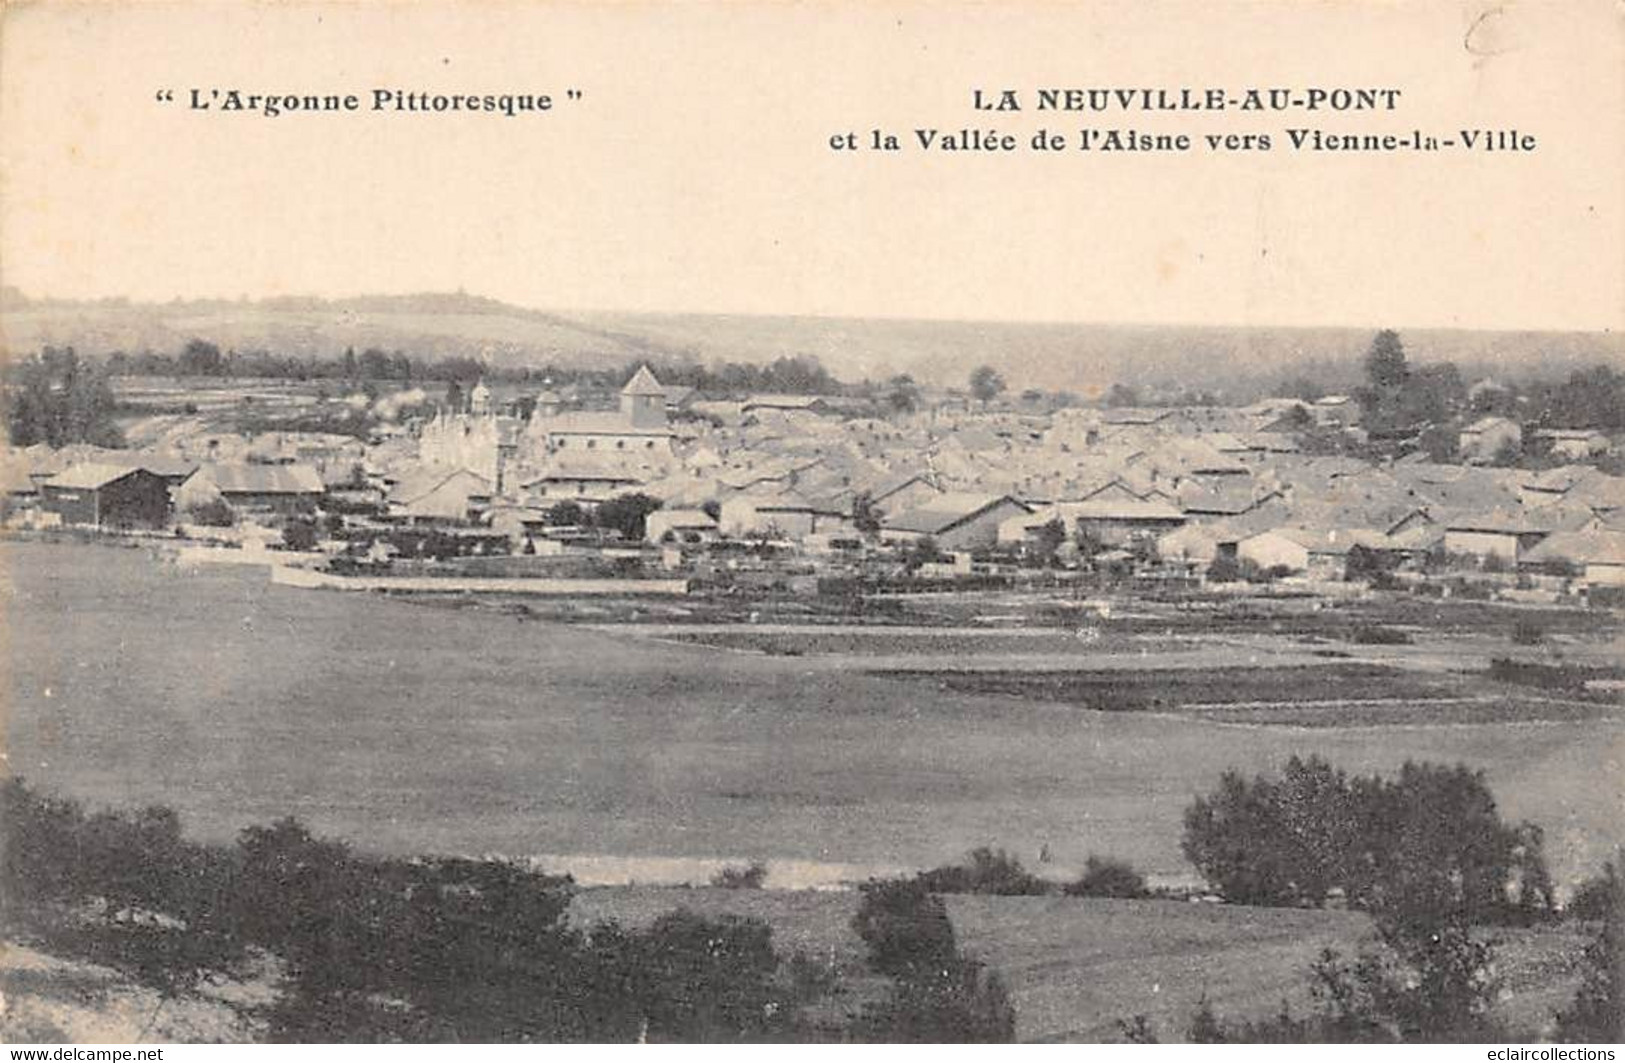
(100, 495)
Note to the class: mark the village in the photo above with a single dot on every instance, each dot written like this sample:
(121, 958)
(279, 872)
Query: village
(694, 492)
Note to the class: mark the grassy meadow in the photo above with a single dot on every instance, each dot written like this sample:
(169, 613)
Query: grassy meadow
(409, 729)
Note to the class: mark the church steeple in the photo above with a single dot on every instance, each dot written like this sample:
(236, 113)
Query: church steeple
(643, 400)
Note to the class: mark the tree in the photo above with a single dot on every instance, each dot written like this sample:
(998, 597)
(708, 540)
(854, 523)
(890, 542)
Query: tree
(565, 514)
(921, 551)
(1429, 842)
(985, 384)
(691, 978)
(57, 398)
(627, 514)
(937, 993)
(455, 402)
(903, 394)
(201, 358)
(905, 927)
(1385, 361)
(375, 364)
(1597, 1014)
(1440, 444)
(1049, 539)
(986, 871)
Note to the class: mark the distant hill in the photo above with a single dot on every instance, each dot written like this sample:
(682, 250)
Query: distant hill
(1081, 357)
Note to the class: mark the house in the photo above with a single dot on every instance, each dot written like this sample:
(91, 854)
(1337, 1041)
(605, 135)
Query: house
(680, 526)
(101, 495)
(1319, 553)
(1116, 521)
(587, 482)
(782, 514)
(1485, 440)
(899, 492)
(1198, 544)
(787, 403)
(955, 520)
(1340, 411)
(1599, 555)
(1498, 534)
(1576, 444)
(284, 489)
(441, 494)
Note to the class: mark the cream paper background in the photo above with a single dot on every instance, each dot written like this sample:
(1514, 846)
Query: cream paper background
(695, 174)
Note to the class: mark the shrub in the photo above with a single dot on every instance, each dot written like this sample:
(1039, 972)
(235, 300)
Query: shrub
(905, 927)
(1597, 1014)
(1432, 840)
(963, 1003)
(749, 877)
(937, 994)
(299, 535)
(1108, 878)
(1410, 990)
(985, 871)
(685, 978)
(215, 513)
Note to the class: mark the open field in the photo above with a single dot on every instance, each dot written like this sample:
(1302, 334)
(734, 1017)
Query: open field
(413, 729)
(1075, 966)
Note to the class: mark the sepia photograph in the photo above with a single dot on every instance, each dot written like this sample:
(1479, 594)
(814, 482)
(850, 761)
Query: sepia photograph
(812, 522)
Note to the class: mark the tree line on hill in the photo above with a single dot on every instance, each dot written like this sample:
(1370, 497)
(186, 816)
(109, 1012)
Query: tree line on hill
(797, 374)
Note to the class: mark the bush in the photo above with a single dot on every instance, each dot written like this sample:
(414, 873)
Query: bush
(369, 949)
(749, 877)
(937, 994)
(1431, 840)
(905, 927)
(1597, 1014)
(985, 871)
(1108, 878)
(215, 513)
(962, 1004)
(299, 535)
(685, 978)
(1406, 990)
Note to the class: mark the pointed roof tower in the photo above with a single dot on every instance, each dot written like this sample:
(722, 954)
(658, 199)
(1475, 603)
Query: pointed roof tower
(643, 382)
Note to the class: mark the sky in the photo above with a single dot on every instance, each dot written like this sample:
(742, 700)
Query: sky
(695, 172)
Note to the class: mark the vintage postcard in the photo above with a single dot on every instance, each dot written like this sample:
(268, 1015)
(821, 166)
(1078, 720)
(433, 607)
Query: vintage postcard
(812, 522)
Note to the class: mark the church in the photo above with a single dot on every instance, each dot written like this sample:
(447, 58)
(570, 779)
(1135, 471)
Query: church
(634, 438)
